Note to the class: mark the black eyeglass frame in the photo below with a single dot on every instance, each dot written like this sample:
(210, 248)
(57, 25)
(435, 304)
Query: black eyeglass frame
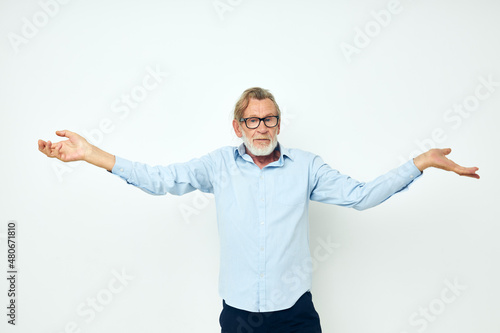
(261, 119)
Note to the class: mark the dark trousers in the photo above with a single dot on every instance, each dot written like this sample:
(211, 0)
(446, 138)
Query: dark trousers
(300, 318)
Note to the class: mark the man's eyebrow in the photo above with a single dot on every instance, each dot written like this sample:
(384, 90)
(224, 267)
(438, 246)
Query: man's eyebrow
(271, 114)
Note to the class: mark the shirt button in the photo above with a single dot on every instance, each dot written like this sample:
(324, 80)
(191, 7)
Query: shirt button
(262, 249)
(261, 275)
(261, 222)
(261, 177)
(411, 176)
(121, 170)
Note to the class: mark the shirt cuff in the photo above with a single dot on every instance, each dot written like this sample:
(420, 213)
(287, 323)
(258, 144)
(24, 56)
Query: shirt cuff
(122, 168)
(410, 170)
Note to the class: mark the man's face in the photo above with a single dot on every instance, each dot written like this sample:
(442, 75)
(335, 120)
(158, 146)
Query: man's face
(262, 140)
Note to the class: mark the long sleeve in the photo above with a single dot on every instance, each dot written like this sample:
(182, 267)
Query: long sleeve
(178, 178)
(330, 186)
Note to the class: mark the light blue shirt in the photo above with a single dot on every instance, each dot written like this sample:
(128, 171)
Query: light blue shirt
(262, 215)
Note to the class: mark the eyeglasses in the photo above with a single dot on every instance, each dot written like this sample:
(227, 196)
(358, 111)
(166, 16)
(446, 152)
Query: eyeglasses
(254, 122)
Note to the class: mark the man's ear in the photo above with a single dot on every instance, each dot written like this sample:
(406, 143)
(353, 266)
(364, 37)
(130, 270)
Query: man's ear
(237, 129)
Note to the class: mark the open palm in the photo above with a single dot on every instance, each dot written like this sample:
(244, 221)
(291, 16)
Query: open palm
(439, 160)
(73, 149)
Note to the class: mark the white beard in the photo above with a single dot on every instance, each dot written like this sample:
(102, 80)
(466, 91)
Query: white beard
(256, 151)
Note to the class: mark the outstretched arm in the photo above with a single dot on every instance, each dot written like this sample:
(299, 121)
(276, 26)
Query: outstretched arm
(76, 148)
(437, 158)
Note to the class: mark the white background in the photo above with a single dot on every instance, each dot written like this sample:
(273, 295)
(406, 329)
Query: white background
(364, 113)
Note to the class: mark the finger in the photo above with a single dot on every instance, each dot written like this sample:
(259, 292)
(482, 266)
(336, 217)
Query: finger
(61, 133)
(446, 151)
(44, 148)
(475, 175)
(469, 172)
(49, 148)
(68, 134)
(55, 149)
(41, 145)
(56, 153)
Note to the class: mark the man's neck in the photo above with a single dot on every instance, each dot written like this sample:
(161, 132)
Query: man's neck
(262, 161)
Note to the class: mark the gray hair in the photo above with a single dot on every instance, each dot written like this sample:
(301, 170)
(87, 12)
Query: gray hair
(257, 93)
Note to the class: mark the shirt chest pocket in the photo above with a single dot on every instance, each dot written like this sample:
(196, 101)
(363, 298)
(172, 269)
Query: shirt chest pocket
(289, 190)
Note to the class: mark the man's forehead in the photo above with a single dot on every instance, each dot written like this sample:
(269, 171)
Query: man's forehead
(264, 107)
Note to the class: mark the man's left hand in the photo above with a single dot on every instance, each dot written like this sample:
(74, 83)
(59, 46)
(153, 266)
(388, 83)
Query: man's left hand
(437, 158)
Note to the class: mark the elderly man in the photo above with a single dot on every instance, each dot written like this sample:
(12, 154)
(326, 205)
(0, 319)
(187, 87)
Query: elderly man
(262, 190)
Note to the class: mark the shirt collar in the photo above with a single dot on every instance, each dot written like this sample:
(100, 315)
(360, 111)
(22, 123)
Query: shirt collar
(285, 152)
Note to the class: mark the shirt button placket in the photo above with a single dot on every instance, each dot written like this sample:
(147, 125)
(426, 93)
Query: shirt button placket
(262, 241)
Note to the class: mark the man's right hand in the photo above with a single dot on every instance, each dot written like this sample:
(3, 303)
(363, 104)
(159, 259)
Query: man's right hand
(73, 149)
(76, 148)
